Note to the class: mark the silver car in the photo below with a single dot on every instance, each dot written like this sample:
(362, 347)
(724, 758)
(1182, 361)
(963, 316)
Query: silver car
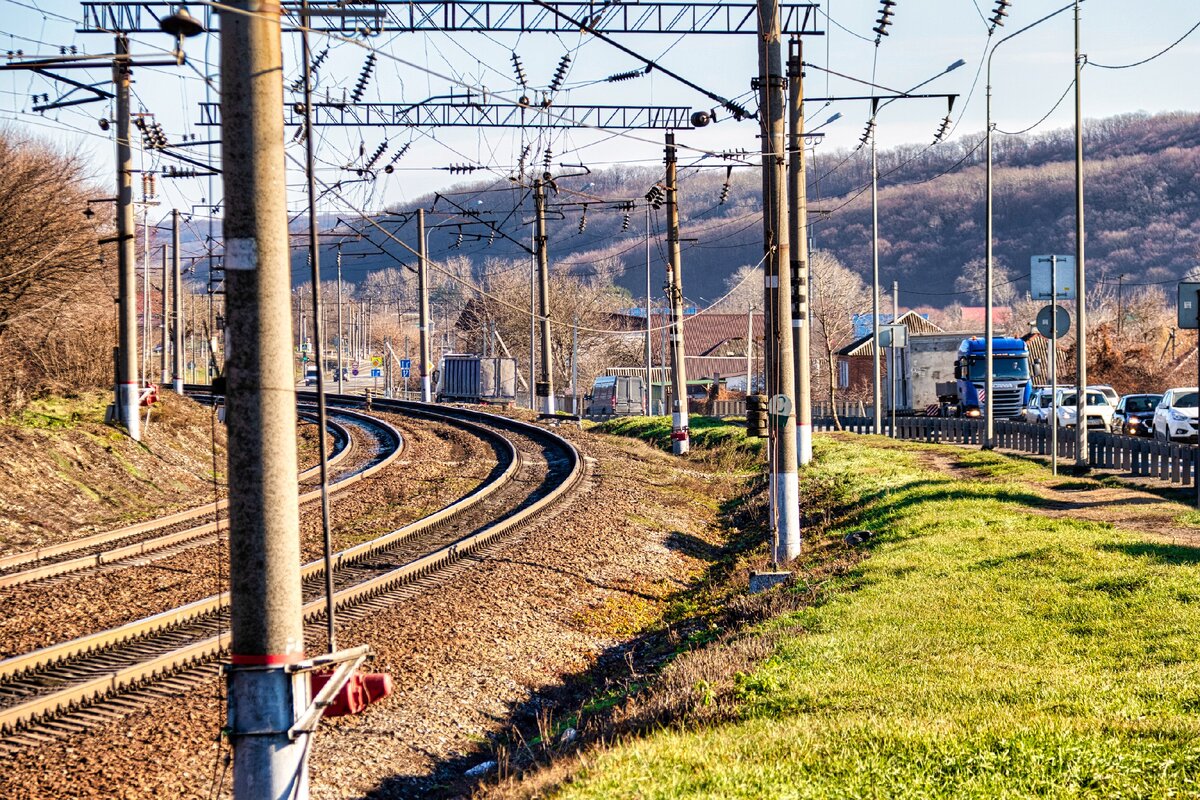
(1038, 409)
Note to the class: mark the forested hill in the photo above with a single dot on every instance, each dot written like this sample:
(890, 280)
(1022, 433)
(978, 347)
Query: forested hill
(1142, 212)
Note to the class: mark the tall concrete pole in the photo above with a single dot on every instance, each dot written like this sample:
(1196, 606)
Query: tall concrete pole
(533, 318)
(781, 376)
(266, 629)
(649, 327)
(798, 239)
(423, 310)
(680, 443)
(177, 306)
(127, 372)
(1081, 438)
(314, 264)
(988, 273)
(163, 322)
(545, 382)
(341, 331)
(876, 377)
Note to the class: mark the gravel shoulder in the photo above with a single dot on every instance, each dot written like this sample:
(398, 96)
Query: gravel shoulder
(512, 623)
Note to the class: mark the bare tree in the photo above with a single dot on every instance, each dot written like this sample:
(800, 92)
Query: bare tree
(744, 289)
(57, 318)
(972, 282)
(837, 294)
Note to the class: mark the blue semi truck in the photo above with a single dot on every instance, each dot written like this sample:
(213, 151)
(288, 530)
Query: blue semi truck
(1011, 385)
(943, 374)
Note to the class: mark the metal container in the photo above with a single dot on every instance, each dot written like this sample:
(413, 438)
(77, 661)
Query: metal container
(471, 379)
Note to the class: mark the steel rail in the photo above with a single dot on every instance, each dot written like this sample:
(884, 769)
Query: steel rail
(13, 718)
(342, 450)
(136, 549)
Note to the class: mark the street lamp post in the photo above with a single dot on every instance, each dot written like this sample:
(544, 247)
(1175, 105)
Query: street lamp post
(876, 372)
(989, 419)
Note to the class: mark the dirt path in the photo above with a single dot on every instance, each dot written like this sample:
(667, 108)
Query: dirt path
(1126, 507)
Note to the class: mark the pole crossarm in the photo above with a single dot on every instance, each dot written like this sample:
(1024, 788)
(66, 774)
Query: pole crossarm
(478, 115)
(495, 16)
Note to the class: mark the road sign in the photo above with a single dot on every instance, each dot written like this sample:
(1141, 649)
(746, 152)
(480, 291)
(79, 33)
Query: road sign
(1062, 321)
(354, 372)
(780, 406)
(376, 361)
(1189, 297)
(376, 373)
(405, 372)
(1064, 277)
(406, 364)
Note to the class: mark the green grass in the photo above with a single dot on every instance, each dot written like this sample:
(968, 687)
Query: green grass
(711, 438)
(982, 651)
(60, 412)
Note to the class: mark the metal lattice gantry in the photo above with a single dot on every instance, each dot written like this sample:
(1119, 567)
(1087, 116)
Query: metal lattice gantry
(496, 16)
(477, 115)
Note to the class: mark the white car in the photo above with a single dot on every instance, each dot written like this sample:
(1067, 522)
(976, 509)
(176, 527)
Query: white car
(1038, 409)
(1097, 410)
(1175, 417)
(1109, 392)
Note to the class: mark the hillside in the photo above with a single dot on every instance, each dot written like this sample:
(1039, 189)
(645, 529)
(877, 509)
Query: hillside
(1142, 213)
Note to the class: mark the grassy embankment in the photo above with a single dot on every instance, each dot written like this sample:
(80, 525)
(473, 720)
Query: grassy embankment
(713, 440)
(983, 650)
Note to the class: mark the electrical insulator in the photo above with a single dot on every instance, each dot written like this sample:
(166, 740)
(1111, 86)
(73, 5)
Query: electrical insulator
(583, 220)
(560, 72)
(364, 78)
(656, 196)
(625, 222)
(724, 193)
(625, 76)
(547, 158)
(866, 137)
(491, 237)
(999, 13)
(298, 84)
(885, 19)
(945, 126)
(519, 70)
(378, 154)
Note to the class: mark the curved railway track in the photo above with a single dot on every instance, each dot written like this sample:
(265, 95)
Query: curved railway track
(65, 688)
(144, 542)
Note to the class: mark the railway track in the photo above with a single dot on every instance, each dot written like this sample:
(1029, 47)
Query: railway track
(66, 688)
(153, 540)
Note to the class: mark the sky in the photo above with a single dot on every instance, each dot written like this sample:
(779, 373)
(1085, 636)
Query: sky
(1031, 75)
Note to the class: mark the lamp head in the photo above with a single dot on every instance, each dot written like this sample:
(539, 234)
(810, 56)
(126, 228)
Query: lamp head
(956, 65)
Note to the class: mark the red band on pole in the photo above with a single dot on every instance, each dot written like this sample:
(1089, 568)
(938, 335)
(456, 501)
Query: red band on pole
(268, 659)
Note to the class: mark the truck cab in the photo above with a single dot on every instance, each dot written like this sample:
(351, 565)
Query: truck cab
(1011, 386)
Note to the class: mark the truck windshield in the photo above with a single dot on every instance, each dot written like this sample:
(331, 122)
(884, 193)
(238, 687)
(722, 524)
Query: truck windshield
(1004, 368)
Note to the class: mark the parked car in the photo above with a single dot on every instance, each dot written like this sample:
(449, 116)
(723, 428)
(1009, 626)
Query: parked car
(1175, 415)
(1134, 415)
(1096, 409)
(1109, 393)
(1038, 409)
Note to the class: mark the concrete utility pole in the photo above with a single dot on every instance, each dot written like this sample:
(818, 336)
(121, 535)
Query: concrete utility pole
(423, 310)
(1081, 437)
(163, 329)
(798, 239)
(341, 331)
(876, 378)
(545, 382)
(649, 326)
(533, 318)
(127, 382)
(314, 263)
(781, 379)
(679, 400)
(266, 628)
(177, 306)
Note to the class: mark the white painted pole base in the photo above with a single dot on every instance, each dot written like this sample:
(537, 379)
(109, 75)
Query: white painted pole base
(131, 411)
(177, 386)
(547, 404)
(803, 444)
(426, 390)
(680, 441)
(263, 705)
(786, 486)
